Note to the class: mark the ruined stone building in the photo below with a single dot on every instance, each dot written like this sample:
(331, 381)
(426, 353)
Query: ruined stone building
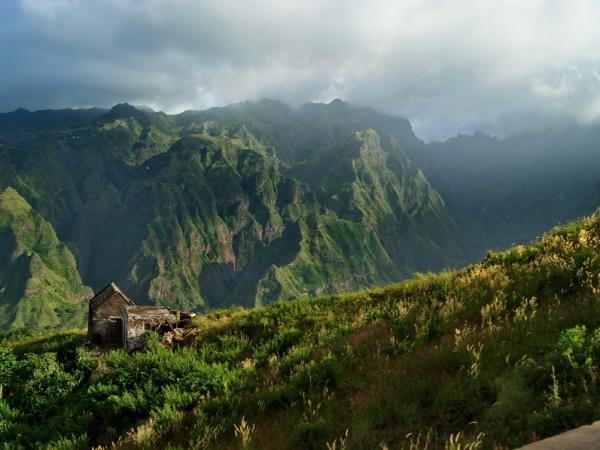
(139, 319)
(105, 316)
(115, 321)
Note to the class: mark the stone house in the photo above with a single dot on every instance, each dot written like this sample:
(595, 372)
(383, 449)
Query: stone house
(115, 321)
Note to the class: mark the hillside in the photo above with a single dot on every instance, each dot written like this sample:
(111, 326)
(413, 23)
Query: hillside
(243, 205)
(257, 201)
(39, 282)
(493, 355)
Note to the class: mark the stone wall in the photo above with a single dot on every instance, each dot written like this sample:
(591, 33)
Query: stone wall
(138, 320)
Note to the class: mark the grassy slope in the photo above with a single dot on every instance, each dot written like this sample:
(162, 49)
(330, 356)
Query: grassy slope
(509, 348)
(39, 283)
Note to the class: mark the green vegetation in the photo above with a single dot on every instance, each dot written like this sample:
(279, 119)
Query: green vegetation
(256, 202)
(39, 282)
(494, 355)
(242, 205)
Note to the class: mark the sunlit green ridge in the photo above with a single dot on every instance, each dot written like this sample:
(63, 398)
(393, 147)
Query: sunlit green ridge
(39, 282)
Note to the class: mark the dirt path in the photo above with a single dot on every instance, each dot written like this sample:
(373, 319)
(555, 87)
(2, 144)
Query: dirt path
(586, 437)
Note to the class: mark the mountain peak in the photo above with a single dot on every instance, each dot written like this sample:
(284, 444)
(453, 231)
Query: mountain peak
(124, 109)
(21, 111)
(338, 102)
(127, 111)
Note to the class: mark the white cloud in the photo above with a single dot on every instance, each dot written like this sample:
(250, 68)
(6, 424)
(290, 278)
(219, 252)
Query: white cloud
(591, 111)
(543, 88)
(446, 64)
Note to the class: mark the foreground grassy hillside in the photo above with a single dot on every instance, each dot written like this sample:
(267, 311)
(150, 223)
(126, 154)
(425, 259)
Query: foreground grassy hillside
(495, 355)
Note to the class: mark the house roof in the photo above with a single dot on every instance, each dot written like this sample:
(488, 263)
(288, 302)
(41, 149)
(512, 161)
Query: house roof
(149, 313)
(107, 293)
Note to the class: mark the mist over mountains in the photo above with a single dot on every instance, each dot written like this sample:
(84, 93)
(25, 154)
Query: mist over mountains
(258, 201)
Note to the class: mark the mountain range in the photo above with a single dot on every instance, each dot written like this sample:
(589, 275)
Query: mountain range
(259, 201)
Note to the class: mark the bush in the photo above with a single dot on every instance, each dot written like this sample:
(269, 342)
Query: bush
(9, 420)
(325, 372)
(42, 383)
(310, 435)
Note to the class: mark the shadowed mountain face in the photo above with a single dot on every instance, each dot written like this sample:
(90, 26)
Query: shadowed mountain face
(24, 120)
(257, 201)
(510, 190)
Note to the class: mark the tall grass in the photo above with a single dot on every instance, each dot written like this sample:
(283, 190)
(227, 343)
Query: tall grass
(491, 356)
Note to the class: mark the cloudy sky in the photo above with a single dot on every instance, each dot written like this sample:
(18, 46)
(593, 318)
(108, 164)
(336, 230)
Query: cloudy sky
(449, 66)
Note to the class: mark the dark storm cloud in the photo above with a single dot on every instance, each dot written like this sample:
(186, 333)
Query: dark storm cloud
(447, 65)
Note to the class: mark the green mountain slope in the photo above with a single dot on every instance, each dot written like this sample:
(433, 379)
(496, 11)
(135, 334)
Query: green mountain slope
(493, 355)
(239, 205)
(258, 201)
(39, 283)
(215, 220)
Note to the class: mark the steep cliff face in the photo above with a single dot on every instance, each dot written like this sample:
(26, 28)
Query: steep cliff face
(39, 282)
(238, 205)
(214, 222)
